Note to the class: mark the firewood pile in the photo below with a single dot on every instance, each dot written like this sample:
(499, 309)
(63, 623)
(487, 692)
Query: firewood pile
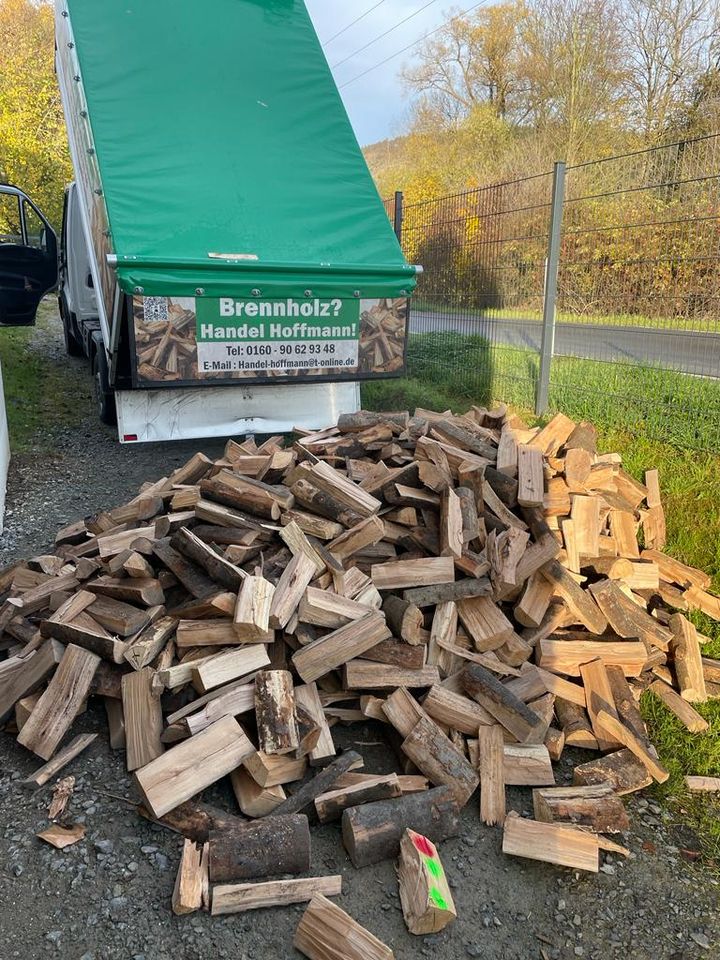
(383, 327)
(476, 587)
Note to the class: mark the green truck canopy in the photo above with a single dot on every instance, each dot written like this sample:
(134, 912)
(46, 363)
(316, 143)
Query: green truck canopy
(218, 130)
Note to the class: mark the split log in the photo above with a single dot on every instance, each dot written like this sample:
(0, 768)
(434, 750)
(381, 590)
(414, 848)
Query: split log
(595, 806)
(551, 843)
(320, 783)
(425, 896)
(186, 769)
(254, 800)
(687, 715)
(329, 806)
(492, 778)
(275, 712)
(241, 897)
(61, 759)
(688, 659)
(436, 756)
(326, 932)
(251, 621)
(191, 883)
(494, 697)
(622, 770)
(60, 703)
(143, 718)
(336, 648)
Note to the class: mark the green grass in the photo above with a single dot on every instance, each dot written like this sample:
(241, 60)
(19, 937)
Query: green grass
(690, 484)
(662, 404)
(38, 391)
(524, 312)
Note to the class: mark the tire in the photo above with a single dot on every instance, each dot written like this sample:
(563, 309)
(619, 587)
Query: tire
(104, 396)
(72, 347)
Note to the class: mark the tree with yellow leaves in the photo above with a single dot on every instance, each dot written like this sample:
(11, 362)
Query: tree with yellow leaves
(33, 146)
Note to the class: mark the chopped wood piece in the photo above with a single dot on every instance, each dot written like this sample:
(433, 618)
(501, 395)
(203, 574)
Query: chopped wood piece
(507, 709)
(275, 712)
(595, 806)
(565, 656)
(308, 698)
(627, 708)
(703, 784)
(687, 659)
(61, 759)
(329, 806)
(260, 848)
(366, 675)
(252, 611)
(143, 650)
(492, 777)
(240, 897)
(326, 932)
(634, 745)
(485, 622)
(192, 765)
(373, 832)
(23, 674)
(689, 717)
(622, 770)
(425, 896)
(442, 763)
(551, 843)
(273, 771)
(254, 800)
(527, 765)
(143, 718)
(331, 651)
(599, 697)
(398, 574)
(445, 592)
(455, 711)
(60, 837)
(320, 783)
(289, 591)
(626, 618)
(191, 879)
(58, 706)
(530, 476)
(222, 668)
(580, 604)
(324, 609)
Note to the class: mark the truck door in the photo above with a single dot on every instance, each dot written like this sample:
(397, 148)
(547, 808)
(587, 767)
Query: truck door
(28, 257)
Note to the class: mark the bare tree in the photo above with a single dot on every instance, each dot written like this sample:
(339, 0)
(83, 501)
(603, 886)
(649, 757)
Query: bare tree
(572, 68)
(669, 48)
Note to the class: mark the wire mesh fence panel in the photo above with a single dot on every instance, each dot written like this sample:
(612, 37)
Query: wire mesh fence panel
(475, 323)
(637, 341)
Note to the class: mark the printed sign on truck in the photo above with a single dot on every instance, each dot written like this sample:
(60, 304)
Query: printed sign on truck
(186, 340)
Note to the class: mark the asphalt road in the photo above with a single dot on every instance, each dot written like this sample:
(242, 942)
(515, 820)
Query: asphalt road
(695, 353)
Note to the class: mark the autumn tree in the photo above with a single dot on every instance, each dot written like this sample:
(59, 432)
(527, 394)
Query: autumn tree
(470, 61)
(33, 145)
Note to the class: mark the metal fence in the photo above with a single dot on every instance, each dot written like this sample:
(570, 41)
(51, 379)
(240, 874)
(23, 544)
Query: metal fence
(594, 289)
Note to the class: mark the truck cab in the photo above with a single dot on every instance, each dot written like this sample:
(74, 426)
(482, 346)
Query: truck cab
(28, 257)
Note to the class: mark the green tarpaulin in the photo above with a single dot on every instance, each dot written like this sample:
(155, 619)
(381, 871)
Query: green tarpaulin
(218, 129)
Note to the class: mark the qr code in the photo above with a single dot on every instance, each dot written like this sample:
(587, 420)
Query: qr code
(155, 309)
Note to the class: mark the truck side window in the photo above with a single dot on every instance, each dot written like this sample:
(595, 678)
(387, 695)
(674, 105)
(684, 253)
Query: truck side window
(10, 229)
(35, 228)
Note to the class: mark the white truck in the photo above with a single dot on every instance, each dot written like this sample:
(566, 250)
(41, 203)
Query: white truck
(226, 263)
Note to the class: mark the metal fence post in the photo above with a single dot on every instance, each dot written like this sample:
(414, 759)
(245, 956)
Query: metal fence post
(398, 215)
(551, 276)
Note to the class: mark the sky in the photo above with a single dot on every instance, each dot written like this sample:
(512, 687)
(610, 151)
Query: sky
(376, 103)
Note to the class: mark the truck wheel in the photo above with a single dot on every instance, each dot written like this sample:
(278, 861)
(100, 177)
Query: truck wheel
(72, 347)
(104, 396)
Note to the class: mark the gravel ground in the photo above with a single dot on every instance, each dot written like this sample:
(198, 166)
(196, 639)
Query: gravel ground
(108, 897)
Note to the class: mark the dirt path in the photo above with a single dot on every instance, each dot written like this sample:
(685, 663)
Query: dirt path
(108, 897)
